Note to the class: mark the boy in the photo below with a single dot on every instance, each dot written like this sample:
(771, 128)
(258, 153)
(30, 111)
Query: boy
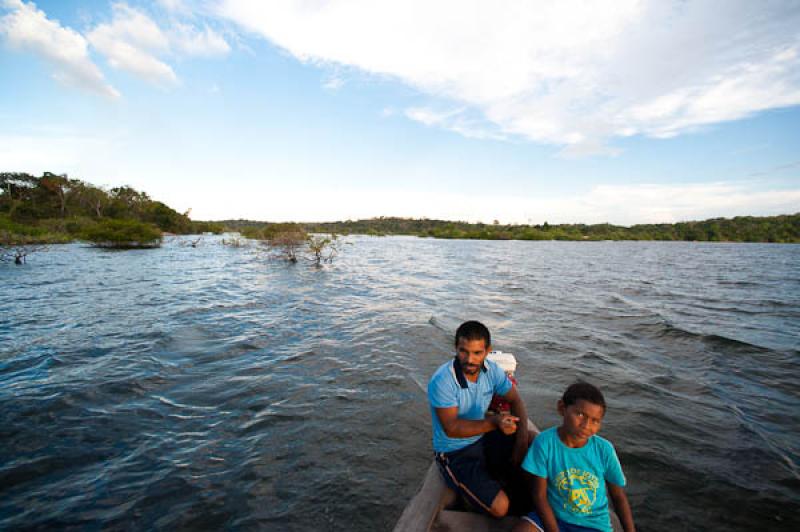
(573, 469)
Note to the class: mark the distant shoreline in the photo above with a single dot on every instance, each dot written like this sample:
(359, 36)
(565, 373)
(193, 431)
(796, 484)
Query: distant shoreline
(766, 229)
(53, 208)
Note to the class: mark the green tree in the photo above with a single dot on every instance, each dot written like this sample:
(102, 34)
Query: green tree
(123, 234)
(93, 200)
(164, 217)
(126, 202)
(59, 187)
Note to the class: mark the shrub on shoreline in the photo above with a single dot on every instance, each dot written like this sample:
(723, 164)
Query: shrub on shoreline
(16, 234)
(123, 234)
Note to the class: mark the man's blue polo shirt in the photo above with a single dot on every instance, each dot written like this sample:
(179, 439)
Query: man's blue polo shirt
(471, 398)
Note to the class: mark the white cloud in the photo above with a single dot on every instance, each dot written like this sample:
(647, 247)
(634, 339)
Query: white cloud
(334, 83)
(205, 42)
(28, 28)
(128, 43)
(588, 147)
(574, 73)
(457, 120)
(134, 42)
(178, 6)
(137, 28)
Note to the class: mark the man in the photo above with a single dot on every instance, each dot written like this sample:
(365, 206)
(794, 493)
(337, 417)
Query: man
(467, 443)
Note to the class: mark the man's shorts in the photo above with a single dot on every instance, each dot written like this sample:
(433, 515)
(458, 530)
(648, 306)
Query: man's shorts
(534, 519)
(468, 473)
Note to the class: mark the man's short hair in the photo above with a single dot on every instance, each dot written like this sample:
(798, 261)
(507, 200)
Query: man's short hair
(583, 390)
(473, 330)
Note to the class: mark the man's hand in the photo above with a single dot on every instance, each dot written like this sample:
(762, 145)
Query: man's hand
(506, 423)
(521, 439)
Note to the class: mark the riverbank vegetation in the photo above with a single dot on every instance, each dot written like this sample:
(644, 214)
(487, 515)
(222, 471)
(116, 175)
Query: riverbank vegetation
(784, 229)
(53, 208)
(123, 234)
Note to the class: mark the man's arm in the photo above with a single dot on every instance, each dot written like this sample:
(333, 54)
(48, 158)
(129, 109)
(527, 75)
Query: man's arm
(542, 505)
(518, 410)
(464, 428)
(621, 506)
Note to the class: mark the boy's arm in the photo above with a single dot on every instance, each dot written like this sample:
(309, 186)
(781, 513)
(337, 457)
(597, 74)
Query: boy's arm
(621, 506)
(542, 505)
(521, 437)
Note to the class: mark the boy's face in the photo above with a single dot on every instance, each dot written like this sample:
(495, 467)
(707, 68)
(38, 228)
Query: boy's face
(582, 420)
(471, 354)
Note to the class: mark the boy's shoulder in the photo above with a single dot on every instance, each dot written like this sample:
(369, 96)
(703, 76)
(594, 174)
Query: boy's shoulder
(604, 450)
(547, 437)
(602, 443)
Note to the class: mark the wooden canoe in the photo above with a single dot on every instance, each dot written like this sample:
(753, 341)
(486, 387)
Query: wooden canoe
(435, 508)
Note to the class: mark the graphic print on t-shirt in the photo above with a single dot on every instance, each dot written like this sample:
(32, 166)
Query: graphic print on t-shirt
(578, 490)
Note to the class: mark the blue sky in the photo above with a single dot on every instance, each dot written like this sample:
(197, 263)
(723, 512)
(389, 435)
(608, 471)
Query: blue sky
(622, 111)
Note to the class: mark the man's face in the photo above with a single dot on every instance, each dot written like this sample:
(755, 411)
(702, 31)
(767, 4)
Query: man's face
(471, 354)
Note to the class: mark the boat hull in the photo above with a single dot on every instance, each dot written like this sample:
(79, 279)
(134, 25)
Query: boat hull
(433, 509)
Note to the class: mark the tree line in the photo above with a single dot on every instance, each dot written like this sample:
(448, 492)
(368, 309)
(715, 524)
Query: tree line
(55, 208)
(783, 229)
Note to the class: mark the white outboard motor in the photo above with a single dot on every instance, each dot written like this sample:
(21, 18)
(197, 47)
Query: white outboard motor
(507, 363)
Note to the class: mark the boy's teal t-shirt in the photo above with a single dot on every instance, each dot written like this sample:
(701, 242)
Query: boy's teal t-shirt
(576, 478)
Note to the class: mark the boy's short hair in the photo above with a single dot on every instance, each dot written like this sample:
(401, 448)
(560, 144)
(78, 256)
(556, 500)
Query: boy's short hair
(583, 390)
(473, 330)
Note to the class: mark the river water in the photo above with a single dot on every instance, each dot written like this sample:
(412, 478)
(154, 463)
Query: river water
(211, 388)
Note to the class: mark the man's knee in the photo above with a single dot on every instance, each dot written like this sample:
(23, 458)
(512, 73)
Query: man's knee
(500, 505)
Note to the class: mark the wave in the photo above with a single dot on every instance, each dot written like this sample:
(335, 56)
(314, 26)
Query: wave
(664, 329)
